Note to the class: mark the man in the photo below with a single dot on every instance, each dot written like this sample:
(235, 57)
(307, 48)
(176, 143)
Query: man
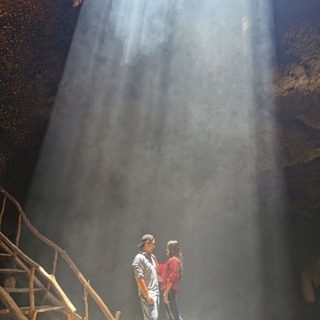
(145, 271)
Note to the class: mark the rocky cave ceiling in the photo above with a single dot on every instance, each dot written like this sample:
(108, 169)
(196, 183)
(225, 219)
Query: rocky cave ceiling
(34, 40)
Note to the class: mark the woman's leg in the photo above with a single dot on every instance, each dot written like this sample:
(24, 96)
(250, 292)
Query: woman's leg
(171, 307)
(168, 314)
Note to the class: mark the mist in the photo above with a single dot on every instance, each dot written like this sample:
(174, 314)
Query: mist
(155, 130)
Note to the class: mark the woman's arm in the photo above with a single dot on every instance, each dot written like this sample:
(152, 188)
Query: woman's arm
(166, 292)
(160, 278)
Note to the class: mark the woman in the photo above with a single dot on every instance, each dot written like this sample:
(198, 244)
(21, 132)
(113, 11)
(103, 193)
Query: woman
(170, 274)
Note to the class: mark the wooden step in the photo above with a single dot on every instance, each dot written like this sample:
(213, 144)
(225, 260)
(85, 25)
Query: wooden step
(12, 271)
(26, 310)
(22, 290)
(38, 309)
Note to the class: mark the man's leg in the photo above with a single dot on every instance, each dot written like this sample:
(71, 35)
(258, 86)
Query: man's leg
(150, 311)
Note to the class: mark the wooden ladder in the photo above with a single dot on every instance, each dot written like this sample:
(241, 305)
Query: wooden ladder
(22, 293)
(27, 290)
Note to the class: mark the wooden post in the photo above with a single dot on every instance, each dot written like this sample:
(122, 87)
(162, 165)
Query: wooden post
(53, 272)
(31, 293)
(18, 230)
(117, 316)
(86, 302)
(2, 209)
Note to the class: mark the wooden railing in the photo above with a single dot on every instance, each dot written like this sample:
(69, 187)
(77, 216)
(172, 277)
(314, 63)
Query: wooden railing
(58, 252)
(24, 264)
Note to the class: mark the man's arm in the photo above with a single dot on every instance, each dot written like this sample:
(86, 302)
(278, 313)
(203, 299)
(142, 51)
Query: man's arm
(143, 289)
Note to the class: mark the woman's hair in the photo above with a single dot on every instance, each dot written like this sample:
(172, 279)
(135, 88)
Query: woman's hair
(175, 251)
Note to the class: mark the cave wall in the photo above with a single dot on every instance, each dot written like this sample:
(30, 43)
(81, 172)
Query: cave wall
(297, 84)
(34, 40)
(297, 97)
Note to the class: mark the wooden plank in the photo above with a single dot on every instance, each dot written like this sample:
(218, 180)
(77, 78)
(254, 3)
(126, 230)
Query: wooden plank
(45, 309)
(22, 290)
(12, 271)
(5, 255)
(26, 310)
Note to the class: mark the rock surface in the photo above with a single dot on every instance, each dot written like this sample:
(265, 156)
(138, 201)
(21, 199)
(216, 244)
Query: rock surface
(34, 40)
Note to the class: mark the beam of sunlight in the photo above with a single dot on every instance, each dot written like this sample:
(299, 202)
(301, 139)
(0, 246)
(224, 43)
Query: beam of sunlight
(163, 119)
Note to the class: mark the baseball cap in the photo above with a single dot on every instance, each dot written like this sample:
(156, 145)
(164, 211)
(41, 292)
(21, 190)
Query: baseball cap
(145, 238)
